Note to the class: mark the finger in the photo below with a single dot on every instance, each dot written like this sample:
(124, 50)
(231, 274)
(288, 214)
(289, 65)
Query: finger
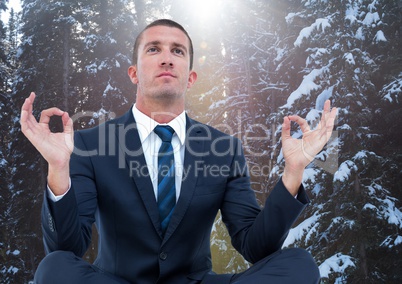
(330, 118)
(27, 105)
(67, 123)
(334, 113)
(327, 109)
(26, 112)
(301, 122)
(23, 121)
(327, 106)
(31, 98)
(331, 121)
(327, 122)
(48, 113)
(285, 128)
(68, 130)
(328, 113)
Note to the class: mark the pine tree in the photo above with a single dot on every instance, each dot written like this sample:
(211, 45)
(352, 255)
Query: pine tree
(100, 82)
(236, 90)
(74, 55)
(279, 58)
(11, 268)
(3, 56)
(340, 46)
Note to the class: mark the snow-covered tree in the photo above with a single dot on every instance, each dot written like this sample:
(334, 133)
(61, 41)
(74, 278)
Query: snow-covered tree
(235, 91)
(355, 215)
(106, 32)
(14, 266)
(257, 61)
(58, 41)
(3, 56)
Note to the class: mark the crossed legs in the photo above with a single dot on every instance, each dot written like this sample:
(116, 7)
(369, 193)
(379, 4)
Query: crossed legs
(287, 266)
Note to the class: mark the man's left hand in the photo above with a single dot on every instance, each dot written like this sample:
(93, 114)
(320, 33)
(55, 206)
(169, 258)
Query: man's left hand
(298, 153)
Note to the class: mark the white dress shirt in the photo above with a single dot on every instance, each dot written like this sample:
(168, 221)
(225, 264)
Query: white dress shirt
(151, 143)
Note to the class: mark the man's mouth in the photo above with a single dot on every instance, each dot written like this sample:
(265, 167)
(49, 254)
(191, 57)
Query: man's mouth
(166, 74)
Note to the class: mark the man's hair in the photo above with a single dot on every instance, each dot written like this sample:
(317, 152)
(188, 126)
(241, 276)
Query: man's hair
(166, 23)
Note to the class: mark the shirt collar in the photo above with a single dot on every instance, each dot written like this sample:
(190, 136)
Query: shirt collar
(146, 125)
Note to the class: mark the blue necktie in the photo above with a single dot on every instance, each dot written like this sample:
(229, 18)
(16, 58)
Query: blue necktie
(166, 176)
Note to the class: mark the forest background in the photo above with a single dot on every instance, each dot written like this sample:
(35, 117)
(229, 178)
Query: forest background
(257, 62)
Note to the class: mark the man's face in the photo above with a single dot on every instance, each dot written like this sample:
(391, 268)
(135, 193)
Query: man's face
(162, 70)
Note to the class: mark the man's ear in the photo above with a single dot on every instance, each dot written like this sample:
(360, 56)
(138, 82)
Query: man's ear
(132, 73)
(191, 79)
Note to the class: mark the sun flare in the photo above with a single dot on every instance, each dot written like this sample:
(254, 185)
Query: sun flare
(207, 9)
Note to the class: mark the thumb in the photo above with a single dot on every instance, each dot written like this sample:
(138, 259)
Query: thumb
(68, 130)
(67, 123)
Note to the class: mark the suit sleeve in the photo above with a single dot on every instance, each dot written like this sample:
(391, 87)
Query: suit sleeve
(67, 223)
(255, 232)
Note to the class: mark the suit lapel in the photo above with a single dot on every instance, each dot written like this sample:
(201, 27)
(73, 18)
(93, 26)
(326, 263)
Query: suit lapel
(131, 155)
(193, 145)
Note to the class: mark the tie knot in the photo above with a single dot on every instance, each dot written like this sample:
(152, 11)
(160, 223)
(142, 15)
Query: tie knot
(164, 132)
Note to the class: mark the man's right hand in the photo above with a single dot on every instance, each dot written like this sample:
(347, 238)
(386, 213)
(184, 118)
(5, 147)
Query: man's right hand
(56, 148)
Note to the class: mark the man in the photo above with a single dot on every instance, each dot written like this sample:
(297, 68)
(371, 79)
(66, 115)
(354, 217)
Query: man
(153, 198)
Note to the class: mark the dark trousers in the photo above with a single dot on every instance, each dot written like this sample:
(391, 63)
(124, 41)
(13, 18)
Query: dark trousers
(287, 266)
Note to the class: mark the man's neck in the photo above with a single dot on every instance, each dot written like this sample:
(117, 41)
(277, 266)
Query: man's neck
(162, 113)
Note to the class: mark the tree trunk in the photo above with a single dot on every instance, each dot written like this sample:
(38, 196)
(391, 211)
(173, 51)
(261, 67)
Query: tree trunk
(362, 270)
(66, 65)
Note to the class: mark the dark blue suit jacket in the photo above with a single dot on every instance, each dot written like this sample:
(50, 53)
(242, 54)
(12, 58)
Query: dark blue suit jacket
(110, 186)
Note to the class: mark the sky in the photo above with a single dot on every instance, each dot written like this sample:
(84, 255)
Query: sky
(11, 4)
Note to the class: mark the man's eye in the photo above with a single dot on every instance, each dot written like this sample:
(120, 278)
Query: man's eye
(178, 51)
(152, 49)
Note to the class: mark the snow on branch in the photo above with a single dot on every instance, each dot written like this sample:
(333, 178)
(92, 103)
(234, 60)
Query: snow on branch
(307, 31)
(371, 18)
(391, 242)
(392, 91)
(306, 228)
(345, 171)
(305, 87)
(379, 36)
(337, 263)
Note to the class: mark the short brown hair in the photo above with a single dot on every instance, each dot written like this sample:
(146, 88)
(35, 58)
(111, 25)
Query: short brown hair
(166, 23)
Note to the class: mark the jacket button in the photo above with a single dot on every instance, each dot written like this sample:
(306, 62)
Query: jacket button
(50, 222)
(163, 255)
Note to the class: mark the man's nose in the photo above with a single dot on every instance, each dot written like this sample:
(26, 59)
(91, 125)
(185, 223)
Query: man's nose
(166, 59)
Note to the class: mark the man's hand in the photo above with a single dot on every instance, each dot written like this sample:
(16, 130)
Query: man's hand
(56, 148)
(298, 153)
